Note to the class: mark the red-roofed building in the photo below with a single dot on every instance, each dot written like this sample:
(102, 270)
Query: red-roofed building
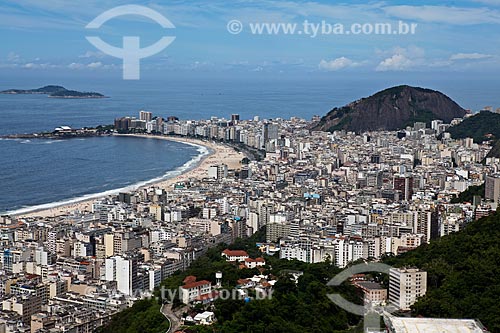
(195, 290)
(189, 279)
(207, 298)
(235, 255)
(245, 283)
(252, 263)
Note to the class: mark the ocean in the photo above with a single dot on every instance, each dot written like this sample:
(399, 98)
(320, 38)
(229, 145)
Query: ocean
(42, 172)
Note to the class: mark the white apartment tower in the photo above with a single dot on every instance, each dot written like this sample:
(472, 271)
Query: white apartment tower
(217, 171)
(406, 285)
(124, 272)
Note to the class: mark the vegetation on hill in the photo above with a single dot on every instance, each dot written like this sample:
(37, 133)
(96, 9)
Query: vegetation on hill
(75, 94)
(301, 307)
(144, 317)
(43, 90)
(463, 273)
(463, 282)
(53, 91)
(495, 151)
(484, 126)
(469, 194)
(304, 307)
(481, 127)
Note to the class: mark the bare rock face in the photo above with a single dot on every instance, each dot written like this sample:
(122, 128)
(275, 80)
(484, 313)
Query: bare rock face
(391, 109)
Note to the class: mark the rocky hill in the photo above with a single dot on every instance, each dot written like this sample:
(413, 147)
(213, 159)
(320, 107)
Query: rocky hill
(391, 109)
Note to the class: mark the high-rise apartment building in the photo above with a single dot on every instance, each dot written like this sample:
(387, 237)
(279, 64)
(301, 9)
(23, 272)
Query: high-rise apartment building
(406, 285)
(492, 188)
(404, 184)
(217, 171)
(124, 272)
(426, 223)
(145, 115)
(235, 118)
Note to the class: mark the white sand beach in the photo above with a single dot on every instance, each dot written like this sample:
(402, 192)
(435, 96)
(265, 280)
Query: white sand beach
(219, 154)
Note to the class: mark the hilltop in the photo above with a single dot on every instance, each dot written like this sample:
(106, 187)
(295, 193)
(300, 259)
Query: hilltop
(391, 109)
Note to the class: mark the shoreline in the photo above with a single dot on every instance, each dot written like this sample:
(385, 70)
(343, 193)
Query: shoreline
(195, 168)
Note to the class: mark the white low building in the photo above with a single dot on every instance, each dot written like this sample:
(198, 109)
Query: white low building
(410, 325)
(195, 290)
(205, 318)
(235, 255)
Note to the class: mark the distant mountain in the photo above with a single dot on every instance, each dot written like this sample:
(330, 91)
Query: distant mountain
(54, 92)
(391, 109)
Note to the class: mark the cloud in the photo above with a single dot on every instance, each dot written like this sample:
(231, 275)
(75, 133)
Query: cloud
(75, 65)
(92, 65)
(328, 10)
(32, 65)
(192, 66)
(401, 59)
(91, 54)
(413, 58)
(445, 14)
(336, 64)
(13, 57)
(95, 65)
(470, 56)
(397, 62)
(411, 51)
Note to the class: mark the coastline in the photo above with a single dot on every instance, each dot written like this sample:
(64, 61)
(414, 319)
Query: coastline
(210, 153)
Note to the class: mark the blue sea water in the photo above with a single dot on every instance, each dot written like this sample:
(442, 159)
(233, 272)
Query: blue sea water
(36, 172)
(40, 171)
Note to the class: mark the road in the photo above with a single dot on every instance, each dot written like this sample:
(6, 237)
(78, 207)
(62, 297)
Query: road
(174, 323)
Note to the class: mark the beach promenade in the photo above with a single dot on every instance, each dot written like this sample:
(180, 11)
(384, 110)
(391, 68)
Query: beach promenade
(217, 154)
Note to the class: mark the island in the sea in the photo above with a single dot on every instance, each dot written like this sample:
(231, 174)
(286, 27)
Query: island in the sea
(54, 92)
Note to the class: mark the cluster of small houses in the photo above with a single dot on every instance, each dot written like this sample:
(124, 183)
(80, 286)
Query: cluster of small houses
(202, 292)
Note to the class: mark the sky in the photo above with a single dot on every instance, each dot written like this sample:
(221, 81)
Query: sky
(449, 37)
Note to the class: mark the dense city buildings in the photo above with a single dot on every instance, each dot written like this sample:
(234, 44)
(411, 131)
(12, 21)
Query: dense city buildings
(338, 197)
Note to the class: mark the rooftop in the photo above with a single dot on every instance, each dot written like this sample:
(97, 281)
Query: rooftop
(433, 325)
(370, 285)
(196, 284)
(235, 253)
